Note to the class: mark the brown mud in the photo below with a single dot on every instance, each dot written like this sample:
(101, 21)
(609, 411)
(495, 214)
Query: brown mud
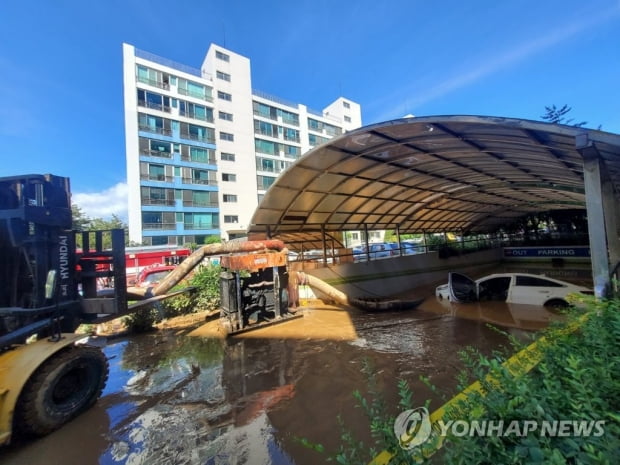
(187, 395)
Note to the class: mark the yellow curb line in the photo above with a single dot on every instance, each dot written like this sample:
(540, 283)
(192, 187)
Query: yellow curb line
(517, 365)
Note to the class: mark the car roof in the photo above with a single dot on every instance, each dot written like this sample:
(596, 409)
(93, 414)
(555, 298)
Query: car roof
(530, 275)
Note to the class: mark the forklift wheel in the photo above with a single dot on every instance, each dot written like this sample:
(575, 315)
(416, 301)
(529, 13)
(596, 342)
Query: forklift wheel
(65, 385)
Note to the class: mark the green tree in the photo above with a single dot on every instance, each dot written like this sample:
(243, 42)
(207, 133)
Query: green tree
(79, 219)
(557, 115)
(81, 222)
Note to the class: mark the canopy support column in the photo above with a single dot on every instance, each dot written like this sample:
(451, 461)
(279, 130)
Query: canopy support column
(596, 215)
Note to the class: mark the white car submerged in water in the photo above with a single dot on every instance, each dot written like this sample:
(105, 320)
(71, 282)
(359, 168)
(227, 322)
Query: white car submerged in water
(517, 288)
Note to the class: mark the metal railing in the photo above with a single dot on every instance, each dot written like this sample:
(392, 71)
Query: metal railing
(187, 135)
(163, 131)
(191, 203)
(210, 160)
(156, 177)
(151, 201)
(155, 153)
(190, 114)
(154, 83)
(193, 226)
(186, 92)
(169, 63)
(273, 98)
(203, 182)
(159, 226)
(153, 106)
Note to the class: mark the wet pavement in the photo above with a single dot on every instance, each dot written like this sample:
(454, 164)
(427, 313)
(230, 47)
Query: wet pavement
(184, 398)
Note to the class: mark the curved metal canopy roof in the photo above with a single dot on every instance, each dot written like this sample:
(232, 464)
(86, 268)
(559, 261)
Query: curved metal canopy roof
(433, 174)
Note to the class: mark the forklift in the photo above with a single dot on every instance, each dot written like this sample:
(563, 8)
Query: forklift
(55, 278)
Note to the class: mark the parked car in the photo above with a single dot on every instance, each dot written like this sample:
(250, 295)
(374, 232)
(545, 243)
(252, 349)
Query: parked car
(152, 275)
(518, 288)
(409, 248)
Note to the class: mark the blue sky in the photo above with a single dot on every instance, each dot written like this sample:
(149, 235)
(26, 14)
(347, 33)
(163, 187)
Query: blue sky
(61, 89)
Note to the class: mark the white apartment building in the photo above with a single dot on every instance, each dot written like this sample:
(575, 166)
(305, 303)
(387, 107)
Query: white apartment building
(202, 146)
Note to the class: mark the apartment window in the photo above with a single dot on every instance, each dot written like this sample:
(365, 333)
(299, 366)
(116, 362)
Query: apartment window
(157, 173)
(230, 198)
(270, 165)
(201, 155)
(266, 129)
(223, 76)
(200, 176)
(346, 104)
(153, 77)
(290, 151)
(192, 110)
(193, 89)
(154, 101)
(224, 96)
(155, 124)
(265, 146)
(226, 116)
(221, 56)
(231, 219)
(229, 177)
(331, 130)
(227, 156)
(264, 182)
(199, 133)
(316, 140)
(200, 221)
(347, 119)
(227, 136)
(315, 125)
(291, 134)
(154, 148)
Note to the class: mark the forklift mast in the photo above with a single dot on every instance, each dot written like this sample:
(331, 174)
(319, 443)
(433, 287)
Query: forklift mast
(36, 237)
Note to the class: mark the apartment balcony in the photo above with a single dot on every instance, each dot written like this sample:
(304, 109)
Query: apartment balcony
(155, 153)
(209, 161)
(208, 98)
(205, 226)
(193, 115)
(154, 106)
(159, 226)
(266, 116)
(158, 202)
(155, 130)
(156, 177)
(154, 83)
(201, 182)
(206, 140)
(191, 203)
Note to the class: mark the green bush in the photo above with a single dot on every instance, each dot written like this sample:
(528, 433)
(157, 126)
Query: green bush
(142, 320)
(206, 297)
(577, 379)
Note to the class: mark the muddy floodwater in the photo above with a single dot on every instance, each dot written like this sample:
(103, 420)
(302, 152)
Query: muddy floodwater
(187, 397)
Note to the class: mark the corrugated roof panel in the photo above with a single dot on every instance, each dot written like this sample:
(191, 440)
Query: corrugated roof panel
(433, 173)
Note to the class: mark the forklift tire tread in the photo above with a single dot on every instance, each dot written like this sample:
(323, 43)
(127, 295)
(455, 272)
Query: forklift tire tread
(67, 384)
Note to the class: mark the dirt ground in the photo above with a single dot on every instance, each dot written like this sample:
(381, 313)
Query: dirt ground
(117, 327)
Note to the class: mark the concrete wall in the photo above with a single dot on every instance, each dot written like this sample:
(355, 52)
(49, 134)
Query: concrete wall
(399, 275)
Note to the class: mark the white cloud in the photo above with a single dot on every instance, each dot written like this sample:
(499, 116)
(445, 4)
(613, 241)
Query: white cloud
(104, 204)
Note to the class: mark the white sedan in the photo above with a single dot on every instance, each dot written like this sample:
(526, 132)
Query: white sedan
(518, 288)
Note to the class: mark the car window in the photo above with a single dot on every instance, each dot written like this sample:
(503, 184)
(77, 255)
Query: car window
(533, 281)
(156, 277)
